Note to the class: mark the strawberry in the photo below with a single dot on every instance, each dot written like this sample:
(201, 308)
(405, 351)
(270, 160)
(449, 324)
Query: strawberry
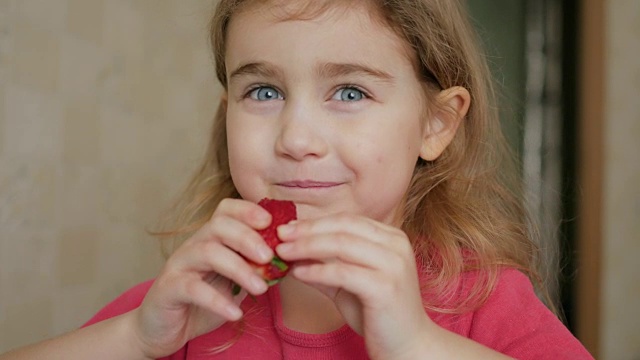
(282, 211)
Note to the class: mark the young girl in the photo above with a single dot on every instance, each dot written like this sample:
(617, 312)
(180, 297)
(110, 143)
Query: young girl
(375, 118)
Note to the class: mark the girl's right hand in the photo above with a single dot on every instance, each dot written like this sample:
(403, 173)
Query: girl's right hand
(192, 295)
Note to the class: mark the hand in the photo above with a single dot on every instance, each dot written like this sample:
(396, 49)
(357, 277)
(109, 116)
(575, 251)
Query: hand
(192, 295)
(368, 269)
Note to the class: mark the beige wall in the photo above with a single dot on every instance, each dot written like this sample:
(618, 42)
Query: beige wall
(620, 318)
(104, 106)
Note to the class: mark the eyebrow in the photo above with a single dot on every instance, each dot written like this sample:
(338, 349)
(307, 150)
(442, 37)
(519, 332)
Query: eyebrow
(333, 70)
(257, 69)
(330, 70)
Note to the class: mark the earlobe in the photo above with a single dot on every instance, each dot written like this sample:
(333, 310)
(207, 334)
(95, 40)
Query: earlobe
(451, 107)
(224, 100)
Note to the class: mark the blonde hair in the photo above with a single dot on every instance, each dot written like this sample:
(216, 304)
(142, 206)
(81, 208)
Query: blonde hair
(463, 211)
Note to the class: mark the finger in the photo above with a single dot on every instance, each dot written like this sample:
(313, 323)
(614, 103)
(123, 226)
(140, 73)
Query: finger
(214, 257)
(238, 236)
(198, 292)
(345, 247)
(245, 211)
(343, 223)
(235, 222)
(362, 282)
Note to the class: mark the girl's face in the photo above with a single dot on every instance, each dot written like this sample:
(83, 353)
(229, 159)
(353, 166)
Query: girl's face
(325, 112)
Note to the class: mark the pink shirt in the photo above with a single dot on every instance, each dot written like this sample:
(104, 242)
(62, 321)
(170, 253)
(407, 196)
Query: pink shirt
(512, 321)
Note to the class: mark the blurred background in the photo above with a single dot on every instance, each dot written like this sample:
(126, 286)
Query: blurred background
(105, 106)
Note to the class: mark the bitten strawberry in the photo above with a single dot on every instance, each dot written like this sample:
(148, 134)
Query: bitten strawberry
(282, 212)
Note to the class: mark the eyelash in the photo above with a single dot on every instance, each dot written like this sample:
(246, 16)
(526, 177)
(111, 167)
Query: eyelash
(365, 94)
(260, 86)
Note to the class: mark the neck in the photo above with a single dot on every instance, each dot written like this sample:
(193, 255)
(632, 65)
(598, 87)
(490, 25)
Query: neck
(306, 309)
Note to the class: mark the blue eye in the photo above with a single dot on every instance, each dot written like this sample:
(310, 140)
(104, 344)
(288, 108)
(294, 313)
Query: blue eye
(349, 94)
(265, 93)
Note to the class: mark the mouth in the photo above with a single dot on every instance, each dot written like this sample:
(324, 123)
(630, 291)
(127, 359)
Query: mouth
(309, 184)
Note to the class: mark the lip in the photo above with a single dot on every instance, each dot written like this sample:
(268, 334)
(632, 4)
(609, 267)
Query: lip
(309, 184)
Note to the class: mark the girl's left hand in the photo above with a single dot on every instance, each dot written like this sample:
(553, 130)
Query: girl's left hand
(369, 270)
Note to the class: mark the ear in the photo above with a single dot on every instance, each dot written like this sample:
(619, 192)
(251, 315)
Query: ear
(451, 107)
(224, 99)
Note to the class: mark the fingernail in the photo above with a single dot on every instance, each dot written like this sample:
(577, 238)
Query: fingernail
(258, 284)
(234, 312)
(286, 230)
(265, 253)
(284, 249)
(264, 218)
(300, 271)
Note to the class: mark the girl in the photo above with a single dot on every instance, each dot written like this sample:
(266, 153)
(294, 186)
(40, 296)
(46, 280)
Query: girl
(375, 118)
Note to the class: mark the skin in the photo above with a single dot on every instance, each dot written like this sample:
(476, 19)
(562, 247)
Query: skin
(346, 164)
(342, 144)
(306, 143)
(294, 133)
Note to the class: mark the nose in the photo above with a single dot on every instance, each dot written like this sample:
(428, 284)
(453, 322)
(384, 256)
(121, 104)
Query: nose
(302, 134)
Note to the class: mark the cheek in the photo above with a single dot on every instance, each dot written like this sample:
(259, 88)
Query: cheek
(244, 156)
(240, 153)
(234, 148)
(243, 140)
(244, 175)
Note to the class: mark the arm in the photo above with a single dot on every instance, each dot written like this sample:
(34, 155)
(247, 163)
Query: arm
(515, 322)
(440, 343)
(368, 269)
(191, 296)
(512, 321)
(109, 339)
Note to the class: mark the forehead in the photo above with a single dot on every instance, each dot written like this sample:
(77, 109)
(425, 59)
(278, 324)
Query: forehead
(304, 9)
(364, 30)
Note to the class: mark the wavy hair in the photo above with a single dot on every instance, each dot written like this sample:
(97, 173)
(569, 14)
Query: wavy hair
(463, 211)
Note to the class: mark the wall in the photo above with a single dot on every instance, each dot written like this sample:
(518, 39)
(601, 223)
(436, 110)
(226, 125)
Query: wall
(104, 109)
(104, 106)
(620, 317)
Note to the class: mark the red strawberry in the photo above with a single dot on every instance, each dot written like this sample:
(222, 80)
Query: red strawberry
(282, 211)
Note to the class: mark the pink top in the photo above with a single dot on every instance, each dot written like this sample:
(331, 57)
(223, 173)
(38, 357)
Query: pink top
(512, 321)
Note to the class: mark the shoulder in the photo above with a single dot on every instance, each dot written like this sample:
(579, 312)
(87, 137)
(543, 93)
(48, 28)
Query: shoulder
(513, 288)
(515, 322)
(513, 292)
(126, 302)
